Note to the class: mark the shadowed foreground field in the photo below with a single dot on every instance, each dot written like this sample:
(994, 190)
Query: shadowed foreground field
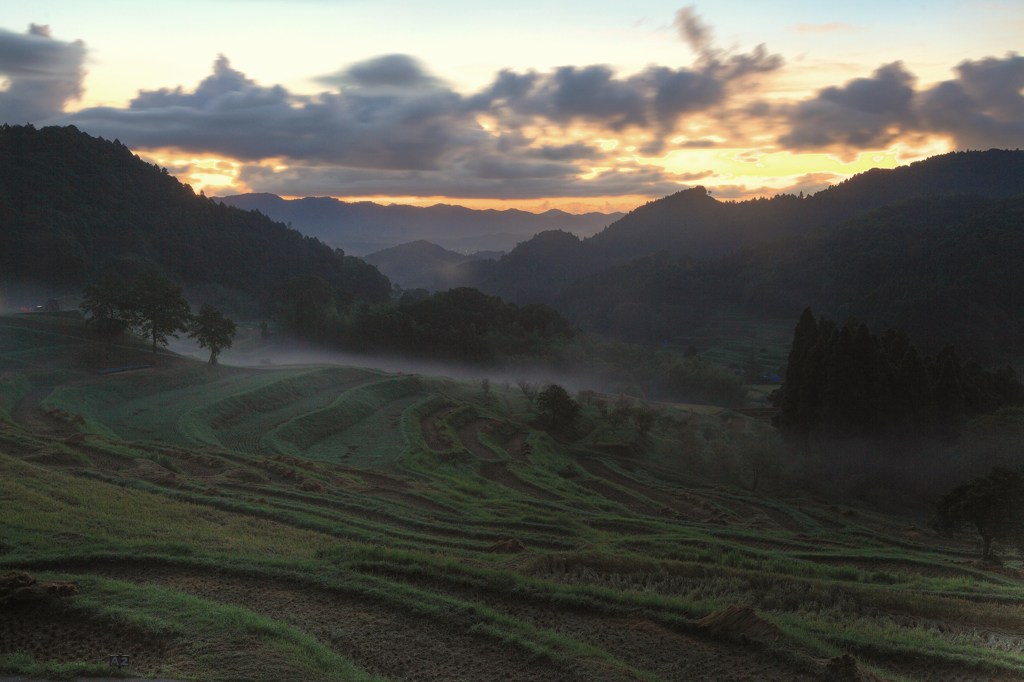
(325, 522)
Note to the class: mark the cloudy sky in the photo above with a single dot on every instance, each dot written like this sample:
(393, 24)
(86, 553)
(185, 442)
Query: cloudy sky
(582, 106)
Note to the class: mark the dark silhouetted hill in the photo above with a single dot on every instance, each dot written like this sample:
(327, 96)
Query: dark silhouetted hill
(365, 227)
(943, 268)
(694, 225)
(72, 205)
(422, 265)
(691, 225)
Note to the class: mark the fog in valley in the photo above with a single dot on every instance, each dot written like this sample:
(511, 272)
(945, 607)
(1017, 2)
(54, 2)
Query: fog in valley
(279, 354)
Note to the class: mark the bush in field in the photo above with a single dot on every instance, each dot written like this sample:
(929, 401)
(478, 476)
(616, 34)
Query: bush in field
(556, 410)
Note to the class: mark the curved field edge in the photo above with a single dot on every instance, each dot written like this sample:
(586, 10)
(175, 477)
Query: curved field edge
(198, 639)
(416, 521)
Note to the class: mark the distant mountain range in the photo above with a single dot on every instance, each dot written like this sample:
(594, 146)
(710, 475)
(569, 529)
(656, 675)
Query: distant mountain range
(364, 227)
(934, 247)
(692, 225)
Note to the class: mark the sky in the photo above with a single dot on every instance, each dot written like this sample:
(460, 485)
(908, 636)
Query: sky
(534, 105)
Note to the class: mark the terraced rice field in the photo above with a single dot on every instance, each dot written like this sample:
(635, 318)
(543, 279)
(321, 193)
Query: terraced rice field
(325, 522)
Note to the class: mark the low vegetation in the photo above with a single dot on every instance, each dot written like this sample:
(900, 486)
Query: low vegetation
(328, 522)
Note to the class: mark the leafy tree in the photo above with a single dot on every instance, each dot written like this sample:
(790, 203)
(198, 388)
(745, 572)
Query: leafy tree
(993, 504)
(160, 308)
(108, 305)
(556, 410)
(212, 330)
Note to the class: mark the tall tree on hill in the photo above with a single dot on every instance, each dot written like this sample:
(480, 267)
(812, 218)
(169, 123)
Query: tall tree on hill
(108, 304)
(993, 504)
(799, 399)
(160, 308)
(212, 330)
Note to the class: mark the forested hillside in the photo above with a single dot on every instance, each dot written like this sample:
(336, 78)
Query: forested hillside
(693, 225)
(72, 206)
(930, 247)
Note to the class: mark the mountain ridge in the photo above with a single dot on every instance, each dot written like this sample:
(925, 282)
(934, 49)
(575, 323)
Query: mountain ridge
(692, 225)
(364, 227)
(73, 205)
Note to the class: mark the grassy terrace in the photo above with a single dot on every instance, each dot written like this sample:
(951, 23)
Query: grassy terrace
(325, 522)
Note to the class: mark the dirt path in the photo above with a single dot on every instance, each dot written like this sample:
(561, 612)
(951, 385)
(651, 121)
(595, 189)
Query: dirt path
(51, 632)
(383, 640)
(637, 640)
(431, 434)
(378, 638)
(499, 473)
(673, 502)
(626, 499)
(469, 436)
(517, 447)
(30, 414)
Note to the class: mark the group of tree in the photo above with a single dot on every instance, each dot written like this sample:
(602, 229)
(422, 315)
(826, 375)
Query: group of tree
(153, 307)
(460, 324)
(842, 382)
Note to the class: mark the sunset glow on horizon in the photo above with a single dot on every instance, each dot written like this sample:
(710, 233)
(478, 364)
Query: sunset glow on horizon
(597, 108)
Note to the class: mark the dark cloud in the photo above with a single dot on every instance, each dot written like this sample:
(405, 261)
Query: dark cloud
(389, 114)
(866, 112)
(387, 126)
(653, 99)
(692, 30)
(591, 93)
(697, 144)
(387, 71)
(495, 167)
(567, 152)
(982, 108)
(42, 74)
(677, 91)
(361, 126)
(494, 178)
(224, 90)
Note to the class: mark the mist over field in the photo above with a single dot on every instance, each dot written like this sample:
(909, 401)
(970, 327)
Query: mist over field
(294, 353)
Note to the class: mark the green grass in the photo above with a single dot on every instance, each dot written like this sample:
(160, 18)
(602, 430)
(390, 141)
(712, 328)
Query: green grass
(321, 477)
(256, 646)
